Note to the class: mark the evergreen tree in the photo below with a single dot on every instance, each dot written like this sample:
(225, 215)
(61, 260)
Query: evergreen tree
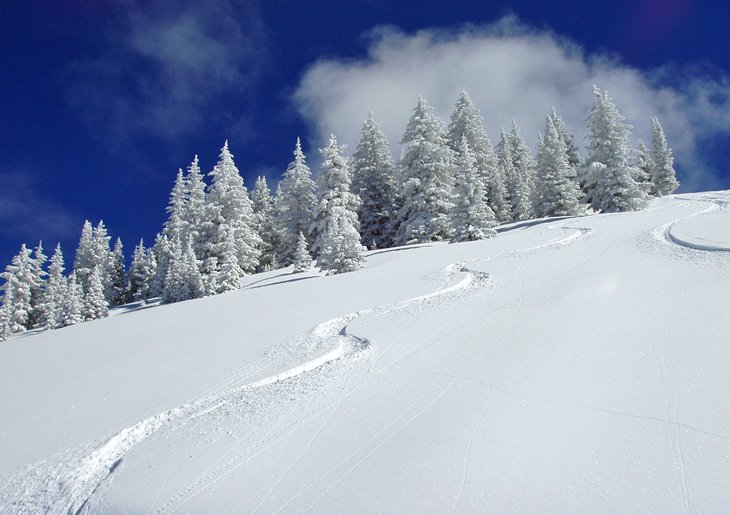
(373, 181)
(95, 303)
(609, 178)
(163, 252)
(644, 168)
(183, 280)
(118, 274)
(426, 179)
(263, 209)
(103, 259)
(177, 226)
(571, 149)
(334, 191)
(302, 259)
(467, 121)
(522, 192)
(229, 204)
(141, 273)
(340, 247)
(38, 289)
(85, 259)
(73, 303)
(295, 201)
(6, 315)
(558, 193)
(230, 273)
(663, 174)
(20, 281)
(506, 166)
(196, 207)
(471, 216)
(55, 292)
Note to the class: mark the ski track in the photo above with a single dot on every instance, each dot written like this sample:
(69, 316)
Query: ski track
(66, 482)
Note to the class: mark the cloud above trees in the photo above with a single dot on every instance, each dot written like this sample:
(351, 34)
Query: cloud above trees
(511, 71)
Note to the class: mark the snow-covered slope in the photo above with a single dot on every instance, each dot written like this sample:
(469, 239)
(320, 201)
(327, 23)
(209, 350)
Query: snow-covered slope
(568, 365)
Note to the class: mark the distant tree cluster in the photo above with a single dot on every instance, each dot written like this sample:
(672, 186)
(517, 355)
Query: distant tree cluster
(450, 184)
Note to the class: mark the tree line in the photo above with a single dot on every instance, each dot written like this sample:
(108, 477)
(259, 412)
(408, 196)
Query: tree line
(450, 184)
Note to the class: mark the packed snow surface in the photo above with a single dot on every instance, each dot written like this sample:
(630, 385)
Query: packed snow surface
(567, 365)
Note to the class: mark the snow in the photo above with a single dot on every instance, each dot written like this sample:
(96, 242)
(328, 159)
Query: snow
(566, 365)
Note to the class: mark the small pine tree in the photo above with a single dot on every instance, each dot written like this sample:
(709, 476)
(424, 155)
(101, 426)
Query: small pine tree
(471, 216)
(302, 259)
(263, 209)
(663, 174)
(141, 273)
(230, 274)
(118, 274)
(20, 281)
(38, 289)
(85, 259)
(95, 304)
(73, 303)
(55, 292)
(340, 247)
(644, 168)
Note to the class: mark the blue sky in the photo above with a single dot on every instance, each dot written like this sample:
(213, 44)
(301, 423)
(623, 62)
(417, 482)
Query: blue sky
(102, 101)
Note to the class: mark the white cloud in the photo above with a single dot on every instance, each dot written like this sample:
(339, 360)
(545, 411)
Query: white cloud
(162, 71)
(511, 71)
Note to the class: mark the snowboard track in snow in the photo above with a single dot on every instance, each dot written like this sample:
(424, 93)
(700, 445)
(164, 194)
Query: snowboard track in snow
(66, 482)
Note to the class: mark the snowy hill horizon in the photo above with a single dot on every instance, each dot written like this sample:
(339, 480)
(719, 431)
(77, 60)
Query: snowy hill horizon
(570, 364)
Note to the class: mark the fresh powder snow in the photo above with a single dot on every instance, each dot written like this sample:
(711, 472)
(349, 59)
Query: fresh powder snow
(567, 365)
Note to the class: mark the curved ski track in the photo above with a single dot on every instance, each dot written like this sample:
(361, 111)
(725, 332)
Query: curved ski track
(66, 482)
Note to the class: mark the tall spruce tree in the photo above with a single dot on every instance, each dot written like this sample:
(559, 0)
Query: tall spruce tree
(426, 179)
(335, 197)
(609, 177)
(229, 204)
(471, 216)
(263, 209)
(55, 292)
(506, 166)
(38, 290)
(467, 121)
(558, 193)
(295, 201)
(373, 181)
(522, 191)
(118, 274)
(663, 174)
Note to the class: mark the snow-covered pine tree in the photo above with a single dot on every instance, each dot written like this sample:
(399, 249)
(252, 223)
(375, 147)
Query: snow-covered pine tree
(340, 247)
(336, 208)
(85, 258)
(141, 273)
(55, 292)
(522, 190)
(118, 274)
(95, 303)
(663, 174)
(103, 259)
(38, 290)
(73, 302)
(302, 260)
(471, 216)
(263, 209)
(644, 168)
(20, 281)
(196, 207)
(295, 201)
(229, 272)
(177, 227)
(163, 252)
(609, 177)
(334, 182)
(571, 149)
(183, 280)
(373, 180)
(467, 121)
(426, 179)
(6, 315)
(228, 203)
(506, 166)
(558, 193)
